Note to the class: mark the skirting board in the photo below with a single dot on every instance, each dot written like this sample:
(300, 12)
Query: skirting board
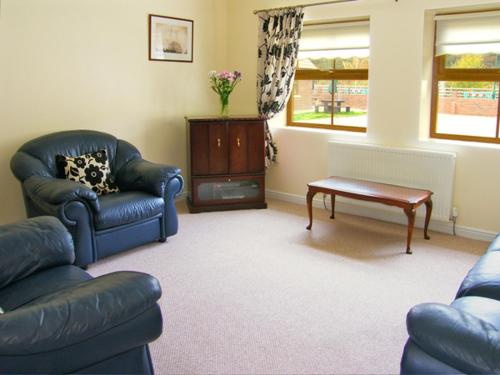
(383, 213)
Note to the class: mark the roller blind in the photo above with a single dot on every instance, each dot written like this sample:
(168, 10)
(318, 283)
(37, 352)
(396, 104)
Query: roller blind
(468, 33)
(335, 40)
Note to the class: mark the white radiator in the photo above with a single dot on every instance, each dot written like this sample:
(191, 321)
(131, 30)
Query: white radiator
(422, 169)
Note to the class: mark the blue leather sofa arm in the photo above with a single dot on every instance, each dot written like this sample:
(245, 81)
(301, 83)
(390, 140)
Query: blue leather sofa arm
(455, 337)
(140, 174)
(33, 245)
(57, 191)
(78, 313)
(83, 317)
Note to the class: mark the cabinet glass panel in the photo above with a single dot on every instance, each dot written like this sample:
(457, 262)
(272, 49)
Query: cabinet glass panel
(228, 190)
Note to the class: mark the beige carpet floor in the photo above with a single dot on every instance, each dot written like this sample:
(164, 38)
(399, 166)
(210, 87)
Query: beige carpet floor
(254, 292)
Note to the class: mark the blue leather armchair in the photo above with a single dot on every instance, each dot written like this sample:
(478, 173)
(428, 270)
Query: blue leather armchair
(143, 211)
(56, 319)
(463, 337)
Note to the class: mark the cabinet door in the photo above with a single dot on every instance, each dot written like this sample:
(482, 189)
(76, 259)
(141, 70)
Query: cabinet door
(217, 145)
(227, 189)
(198, 133)
(238, 148)
(256, 151)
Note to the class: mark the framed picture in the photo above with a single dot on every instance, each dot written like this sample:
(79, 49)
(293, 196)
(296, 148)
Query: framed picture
(170, 39)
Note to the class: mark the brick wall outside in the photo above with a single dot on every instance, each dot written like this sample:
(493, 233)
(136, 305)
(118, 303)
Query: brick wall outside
(468, 106)
(355, 101)
(303, 96)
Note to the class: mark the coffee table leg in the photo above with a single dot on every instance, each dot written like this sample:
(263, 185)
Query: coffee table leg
(410, 213)
(333, 206)
(310, 195)
(428, 211)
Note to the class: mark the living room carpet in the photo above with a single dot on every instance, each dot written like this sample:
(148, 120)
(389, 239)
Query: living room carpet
(254, 292)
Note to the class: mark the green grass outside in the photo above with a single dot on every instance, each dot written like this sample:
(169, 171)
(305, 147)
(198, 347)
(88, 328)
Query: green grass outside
(304, 116)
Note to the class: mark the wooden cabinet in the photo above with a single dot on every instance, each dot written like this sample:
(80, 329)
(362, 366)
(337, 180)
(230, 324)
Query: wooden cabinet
(226, 163)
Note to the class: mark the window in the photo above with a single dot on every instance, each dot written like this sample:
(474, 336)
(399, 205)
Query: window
(331, 82)
(466, 77)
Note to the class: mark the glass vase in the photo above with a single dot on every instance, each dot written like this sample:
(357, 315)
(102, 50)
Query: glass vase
(224, 106)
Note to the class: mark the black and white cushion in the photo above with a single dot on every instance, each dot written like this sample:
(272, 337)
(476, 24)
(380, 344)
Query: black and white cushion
(90, 169)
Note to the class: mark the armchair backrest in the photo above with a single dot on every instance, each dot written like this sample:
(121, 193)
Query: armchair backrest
(32, 245)
(38, 156)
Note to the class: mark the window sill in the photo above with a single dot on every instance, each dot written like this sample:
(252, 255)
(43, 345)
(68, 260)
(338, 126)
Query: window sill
(342, 133)
(459, 143)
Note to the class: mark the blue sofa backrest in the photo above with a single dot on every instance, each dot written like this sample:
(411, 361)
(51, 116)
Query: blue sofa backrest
(37, 157)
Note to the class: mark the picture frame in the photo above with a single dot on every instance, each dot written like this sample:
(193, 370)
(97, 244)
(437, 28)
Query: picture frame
(170, 39)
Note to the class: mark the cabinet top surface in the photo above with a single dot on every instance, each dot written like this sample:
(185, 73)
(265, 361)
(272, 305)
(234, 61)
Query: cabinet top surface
(219, 118)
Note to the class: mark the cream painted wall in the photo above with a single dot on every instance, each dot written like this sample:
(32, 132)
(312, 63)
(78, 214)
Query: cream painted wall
(83, 64)
(401, 46)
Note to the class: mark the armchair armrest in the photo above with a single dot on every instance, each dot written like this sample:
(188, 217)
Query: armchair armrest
(56, 191)
(32, 245)
(140, 174)
(76, 314)
(455, 337)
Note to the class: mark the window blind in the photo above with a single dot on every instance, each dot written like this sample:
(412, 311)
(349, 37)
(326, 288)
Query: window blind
(335, 40)
(477, 33)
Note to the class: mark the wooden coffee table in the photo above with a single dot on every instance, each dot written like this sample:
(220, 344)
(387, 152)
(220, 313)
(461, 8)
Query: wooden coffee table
(406, 198)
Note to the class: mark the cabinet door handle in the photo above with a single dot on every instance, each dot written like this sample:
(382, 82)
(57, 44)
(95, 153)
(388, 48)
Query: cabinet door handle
(218, 142)
(238, 143)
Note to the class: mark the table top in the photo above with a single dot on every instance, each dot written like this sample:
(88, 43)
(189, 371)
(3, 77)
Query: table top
(372, 189)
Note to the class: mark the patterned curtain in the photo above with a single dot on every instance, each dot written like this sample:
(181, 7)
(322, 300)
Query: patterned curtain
(279, 34)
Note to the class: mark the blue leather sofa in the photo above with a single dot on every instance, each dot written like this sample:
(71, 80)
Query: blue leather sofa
(463, 337)
(143, 211)
(55, 318)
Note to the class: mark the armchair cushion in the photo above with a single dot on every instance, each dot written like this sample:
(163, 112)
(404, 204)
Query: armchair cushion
(127, 207)
(90, 169)
(57, 191)
(140, 174)
(33, 245)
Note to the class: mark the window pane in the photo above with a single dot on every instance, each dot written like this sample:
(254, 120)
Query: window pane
(467, 108)
(351, 103)
(312, 102)
(472, 61)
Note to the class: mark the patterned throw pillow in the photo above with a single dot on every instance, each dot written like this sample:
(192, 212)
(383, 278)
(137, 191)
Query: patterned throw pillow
(91, 170)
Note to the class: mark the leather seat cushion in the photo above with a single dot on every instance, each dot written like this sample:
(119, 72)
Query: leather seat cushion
(126, 208)
(41, 284)
(484, 278)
